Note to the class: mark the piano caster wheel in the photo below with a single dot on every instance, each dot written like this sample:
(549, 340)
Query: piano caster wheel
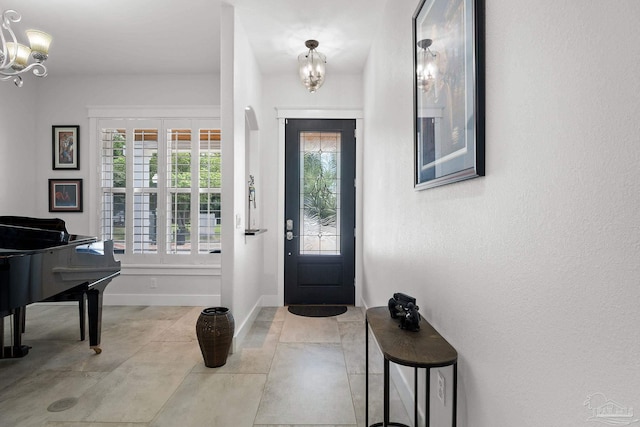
(97, 349)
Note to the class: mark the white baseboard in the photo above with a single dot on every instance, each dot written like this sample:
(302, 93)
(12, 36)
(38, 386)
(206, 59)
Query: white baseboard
(162, 300)
(243, 329)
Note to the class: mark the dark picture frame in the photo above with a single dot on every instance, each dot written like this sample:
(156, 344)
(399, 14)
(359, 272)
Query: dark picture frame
(65, 195)
(448, 105)
(65, 142)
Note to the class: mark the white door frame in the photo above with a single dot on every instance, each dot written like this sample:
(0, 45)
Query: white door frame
(289, 113)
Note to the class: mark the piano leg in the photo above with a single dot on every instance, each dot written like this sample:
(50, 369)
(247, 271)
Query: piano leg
(23, 324)
(94, 307)
(16, 349)
(83, 309)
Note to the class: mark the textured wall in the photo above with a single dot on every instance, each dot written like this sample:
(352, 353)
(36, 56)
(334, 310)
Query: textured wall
(532, 271)
(18, 147)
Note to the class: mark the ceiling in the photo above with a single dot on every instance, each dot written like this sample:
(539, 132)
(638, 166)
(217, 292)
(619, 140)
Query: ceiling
(178, 36)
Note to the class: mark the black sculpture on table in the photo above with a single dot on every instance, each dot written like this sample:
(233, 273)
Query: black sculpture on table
(404, 307)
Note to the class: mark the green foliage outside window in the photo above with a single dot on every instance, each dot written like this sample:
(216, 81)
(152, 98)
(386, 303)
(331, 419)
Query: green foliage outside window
(320, 177)
(119, 161)
(180, 177)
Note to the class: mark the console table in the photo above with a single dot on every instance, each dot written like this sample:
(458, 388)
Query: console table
(425, 348)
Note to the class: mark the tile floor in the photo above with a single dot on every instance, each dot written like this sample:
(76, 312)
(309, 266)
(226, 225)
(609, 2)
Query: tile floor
(288, 371)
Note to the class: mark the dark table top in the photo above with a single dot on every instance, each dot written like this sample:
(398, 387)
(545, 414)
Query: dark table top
(425, 348)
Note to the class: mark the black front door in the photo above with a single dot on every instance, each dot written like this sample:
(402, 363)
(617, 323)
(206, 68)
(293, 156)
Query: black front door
(320, 158)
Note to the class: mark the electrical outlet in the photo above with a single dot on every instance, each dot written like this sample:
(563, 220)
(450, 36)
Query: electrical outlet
(441, 388)
(154, 283)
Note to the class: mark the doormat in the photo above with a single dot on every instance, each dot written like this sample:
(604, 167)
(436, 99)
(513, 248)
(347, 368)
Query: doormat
(317, 310)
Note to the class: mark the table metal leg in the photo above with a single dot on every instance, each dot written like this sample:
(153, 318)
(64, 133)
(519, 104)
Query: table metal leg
(427, 401)
(415, 397)
(366, 375)
(385, 418)
(386, 407)
(454, 416)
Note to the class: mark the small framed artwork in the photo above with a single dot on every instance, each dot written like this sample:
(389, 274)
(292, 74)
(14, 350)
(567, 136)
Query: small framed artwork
(448, 60)
(65, 195)
(66, 147)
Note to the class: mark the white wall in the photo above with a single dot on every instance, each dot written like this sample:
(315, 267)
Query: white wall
(531, 272)
(64, 101)
(241, 254)
(18, 147)
(286, 92)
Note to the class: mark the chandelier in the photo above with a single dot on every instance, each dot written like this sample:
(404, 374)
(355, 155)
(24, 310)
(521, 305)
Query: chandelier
(426, 66)
(14, 56)
(311, 66)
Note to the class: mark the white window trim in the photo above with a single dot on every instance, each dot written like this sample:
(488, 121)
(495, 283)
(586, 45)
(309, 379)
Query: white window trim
(92, 202)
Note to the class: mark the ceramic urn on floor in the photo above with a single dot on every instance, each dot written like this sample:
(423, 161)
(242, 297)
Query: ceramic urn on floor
(214, 329)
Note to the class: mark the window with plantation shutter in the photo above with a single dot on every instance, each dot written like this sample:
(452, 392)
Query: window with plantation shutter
(160, 187)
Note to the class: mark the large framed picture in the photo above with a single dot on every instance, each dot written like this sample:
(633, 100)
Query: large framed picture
(65, 195)
(66, 147)
(448, 46)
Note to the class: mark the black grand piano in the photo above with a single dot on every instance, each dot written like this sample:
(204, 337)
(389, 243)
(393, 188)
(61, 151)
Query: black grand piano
(39, 262)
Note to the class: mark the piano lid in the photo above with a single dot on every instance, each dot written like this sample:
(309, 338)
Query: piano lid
(54, 224)
(18, 234)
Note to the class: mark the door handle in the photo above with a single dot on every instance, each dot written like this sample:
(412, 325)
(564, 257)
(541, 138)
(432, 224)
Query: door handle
(289, 227)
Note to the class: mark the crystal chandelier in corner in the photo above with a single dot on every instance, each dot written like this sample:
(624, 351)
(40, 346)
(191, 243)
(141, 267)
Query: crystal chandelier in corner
(14, 56)
(311, 66)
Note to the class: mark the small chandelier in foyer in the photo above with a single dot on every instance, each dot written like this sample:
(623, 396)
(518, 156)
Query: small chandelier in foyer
(311, 66)
(427, 66)
(14, 56)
